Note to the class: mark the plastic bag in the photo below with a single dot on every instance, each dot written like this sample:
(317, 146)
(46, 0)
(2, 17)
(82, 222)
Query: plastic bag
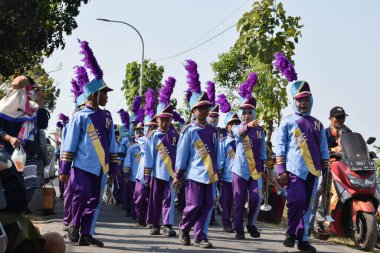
(19, 158)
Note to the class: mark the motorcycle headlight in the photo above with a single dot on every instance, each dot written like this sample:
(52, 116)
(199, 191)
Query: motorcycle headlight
(361, 183)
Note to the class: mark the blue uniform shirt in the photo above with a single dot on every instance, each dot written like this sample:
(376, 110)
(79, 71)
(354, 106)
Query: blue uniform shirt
(161, 153)
(228, 150)
(140, 171)
(250, 151)
(198, 153)
(131, 162)
(89, 143)
(301, 146)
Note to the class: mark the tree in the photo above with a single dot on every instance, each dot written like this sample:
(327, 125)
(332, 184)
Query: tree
(39, 75)
(263, 31)
(152, 77)
(32, 29)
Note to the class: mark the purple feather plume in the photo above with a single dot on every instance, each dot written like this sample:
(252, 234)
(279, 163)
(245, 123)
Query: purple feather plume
(81, 76)
(193, 76)
(188, 94)
(124, 116)
(90, 60)
(225, 106)
(166, 91)
(284, 66)
(136, 104)
(75, 89)
(210, 90)
(140, 115)
(62, 120)
(150, 102)
(177, 117)
(245, 89)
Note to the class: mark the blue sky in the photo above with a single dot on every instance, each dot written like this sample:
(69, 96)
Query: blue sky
(337, 53)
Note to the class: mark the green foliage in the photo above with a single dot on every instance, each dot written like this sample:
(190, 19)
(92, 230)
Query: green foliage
(263, 31)
(32, 29)
(152, 77)
(184, 111)
(39, 75)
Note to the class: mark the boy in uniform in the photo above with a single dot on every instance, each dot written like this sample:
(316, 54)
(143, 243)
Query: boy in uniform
(302, 154)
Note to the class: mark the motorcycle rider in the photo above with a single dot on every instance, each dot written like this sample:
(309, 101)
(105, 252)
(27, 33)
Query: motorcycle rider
(333, 132)
(337, 126)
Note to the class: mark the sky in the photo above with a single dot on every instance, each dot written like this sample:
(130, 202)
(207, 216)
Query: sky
(337, 54)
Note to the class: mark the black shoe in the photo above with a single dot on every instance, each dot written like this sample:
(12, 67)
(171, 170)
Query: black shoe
(73, 233)
(306, 247)
(65, 227)
(128, 214)
(289, 241)
(228, 229)
(240, 236)
(141, 223)
(184, 238)
(88, 240)
(203, 244)
(169, 231)
(253, 231)
(155, 230)
(214, 223)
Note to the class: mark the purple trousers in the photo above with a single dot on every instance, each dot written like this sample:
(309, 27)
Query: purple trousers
(299, 195)
(226, 200)
(86, 194)
(128, 192)
(67, 202)
(240, 189)
(199, 201)
(181, 198)
(159, 202)
(141, 197)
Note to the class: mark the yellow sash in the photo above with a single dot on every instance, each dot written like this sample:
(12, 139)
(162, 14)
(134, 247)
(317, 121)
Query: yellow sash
(231, 154)
(137, 155)
(165, 158)
(98, 147)
(250, 158)
(302, 144)
(205, 156)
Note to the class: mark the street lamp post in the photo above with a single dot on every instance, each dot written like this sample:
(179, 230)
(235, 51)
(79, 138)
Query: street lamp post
(142, 42)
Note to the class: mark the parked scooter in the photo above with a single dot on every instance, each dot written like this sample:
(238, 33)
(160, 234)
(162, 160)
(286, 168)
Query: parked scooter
(354, 195)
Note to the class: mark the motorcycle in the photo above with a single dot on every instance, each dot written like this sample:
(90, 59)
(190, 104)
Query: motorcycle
(354, 195)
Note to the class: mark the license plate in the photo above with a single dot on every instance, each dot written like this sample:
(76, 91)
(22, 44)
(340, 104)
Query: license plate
(362, 165)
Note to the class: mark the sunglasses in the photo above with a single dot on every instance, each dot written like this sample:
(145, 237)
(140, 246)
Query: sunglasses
(340, 117)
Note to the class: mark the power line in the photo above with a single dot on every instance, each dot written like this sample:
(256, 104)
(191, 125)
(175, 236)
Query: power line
(204, 42)
(217, 25)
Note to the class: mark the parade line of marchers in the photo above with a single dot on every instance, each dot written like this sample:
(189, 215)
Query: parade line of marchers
(152, 162)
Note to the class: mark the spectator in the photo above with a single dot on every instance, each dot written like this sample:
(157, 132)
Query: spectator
(28, 238)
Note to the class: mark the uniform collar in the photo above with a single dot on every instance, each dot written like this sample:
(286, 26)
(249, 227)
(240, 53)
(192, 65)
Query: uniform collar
(200, 125)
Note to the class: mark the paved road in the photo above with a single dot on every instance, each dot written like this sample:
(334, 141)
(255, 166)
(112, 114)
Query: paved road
(120, 234)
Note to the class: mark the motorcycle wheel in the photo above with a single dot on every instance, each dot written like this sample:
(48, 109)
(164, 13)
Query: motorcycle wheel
(365, 235)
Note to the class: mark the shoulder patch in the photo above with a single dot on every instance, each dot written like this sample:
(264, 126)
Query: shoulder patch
(185, 127)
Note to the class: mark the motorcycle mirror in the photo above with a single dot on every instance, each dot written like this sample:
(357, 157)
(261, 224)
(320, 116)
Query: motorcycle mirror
(371, 140)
